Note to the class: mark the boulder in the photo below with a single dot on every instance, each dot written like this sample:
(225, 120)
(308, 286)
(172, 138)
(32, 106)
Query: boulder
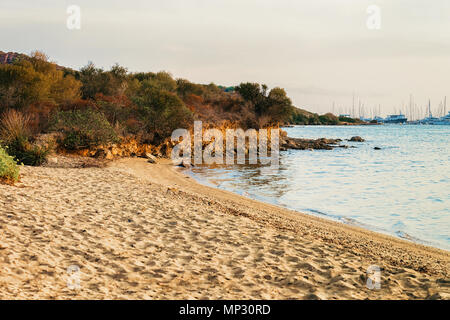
(185, 164)
(356, 139)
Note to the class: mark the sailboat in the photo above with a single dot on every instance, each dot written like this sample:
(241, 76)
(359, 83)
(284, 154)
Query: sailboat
(445, 120)
(430, 119)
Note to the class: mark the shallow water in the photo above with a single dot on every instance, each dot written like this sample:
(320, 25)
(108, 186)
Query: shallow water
(402, 189)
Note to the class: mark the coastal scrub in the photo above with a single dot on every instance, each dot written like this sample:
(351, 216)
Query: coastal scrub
(9, 170)
(16, 135)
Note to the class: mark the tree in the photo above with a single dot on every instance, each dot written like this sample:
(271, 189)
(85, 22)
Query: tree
(21, 85)
(185, 88)
(118, 79)
(276, 105)
(279, 105)
(160, 81)
(65, 90)
(35, 81)
(96, 80)
(250, 92)
(162, 112)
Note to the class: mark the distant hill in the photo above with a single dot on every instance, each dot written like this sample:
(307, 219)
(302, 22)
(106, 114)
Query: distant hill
(304, 117)
(10, 57)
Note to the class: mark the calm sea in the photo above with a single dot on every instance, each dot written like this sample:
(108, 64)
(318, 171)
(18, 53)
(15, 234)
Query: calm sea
(402, 189)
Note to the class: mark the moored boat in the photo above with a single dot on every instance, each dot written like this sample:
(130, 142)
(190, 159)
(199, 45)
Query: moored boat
(395, 118)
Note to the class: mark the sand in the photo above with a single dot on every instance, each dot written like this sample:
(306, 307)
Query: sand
(146, 231)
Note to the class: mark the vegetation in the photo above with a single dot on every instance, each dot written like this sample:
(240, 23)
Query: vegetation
(83, 129)
(349, 120)
(274, 105)
(15, 133)
(9, 170)
(161, 112)
(303, 117)
(26, 153)
(93, 107)
(14, 126)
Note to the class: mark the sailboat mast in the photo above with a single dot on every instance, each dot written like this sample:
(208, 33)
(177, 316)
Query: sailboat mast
(353, 105)
(410, 107)
(445, 105)
(429, 108)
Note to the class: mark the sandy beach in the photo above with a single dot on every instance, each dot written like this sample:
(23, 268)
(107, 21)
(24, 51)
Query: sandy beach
(146, 231)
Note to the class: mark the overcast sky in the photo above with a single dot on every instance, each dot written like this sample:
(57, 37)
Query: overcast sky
(320, 51)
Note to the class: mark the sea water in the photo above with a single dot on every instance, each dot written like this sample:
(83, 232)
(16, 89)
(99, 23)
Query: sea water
(402, 189)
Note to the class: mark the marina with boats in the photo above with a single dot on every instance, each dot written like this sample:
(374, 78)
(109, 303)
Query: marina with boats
(401, 118)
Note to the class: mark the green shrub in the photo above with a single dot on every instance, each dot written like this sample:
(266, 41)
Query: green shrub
(161, 112)
(83, 129)
(9, 170)
(31, 155)
(329, 119)
(185, 88)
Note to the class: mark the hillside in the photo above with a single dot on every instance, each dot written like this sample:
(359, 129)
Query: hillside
(91, 107)
(9, 57)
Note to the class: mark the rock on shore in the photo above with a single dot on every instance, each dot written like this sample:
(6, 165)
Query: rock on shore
(308, 144)
(356, 139)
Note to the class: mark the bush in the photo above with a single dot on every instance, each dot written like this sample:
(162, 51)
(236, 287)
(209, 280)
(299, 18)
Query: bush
(346, 119)
(15, 133)
(9, 170)
(161, 112)
(26, 153)
(14, 126)
(186, 88)
(329, 119)
(83, 129)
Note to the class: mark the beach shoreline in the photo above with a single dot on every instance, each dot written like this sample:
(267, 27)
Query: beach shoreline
(147, 231)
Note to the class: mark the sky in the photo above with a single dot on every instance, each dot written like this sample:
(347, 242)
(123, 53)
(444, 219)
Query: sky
(321, 51)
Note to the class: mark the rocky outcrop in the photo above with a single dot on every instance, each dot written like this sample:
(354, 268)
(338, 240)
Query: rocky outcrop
(356, 139)
(309, 144)
(129, 148)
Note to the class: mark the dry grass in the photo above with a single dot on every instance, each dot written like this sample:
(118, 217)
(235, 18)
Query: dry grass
(14, 125)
